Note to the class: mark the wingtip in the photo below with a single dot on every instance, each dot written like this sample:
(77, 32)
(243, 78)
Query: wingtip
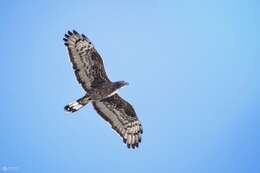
(75, 32)
(133, 146)
(70, 33)
(140, 140)
(84, 36)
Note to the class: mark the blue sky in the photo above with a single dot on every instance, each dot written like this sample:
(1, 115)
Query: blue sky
(193, 69)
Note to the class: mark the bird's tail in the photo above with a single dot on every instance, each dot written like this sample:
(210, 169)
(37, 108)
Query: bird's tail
(76, 105)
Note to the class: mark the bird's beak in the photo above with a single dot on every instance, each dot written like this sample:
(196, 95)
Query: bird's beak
(126, 83)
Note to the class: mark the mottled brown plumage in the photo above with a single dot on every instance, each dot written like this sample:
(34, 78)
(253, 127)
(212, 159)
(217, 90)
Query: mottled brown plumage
(90, 72)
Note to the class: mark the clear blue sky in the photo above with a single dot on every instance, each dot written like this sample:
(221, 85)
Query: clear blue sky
(193, 69)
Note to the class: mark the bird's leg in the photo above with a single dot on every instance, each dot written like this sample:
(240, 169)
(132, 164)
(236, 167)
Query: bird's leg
(76, 105)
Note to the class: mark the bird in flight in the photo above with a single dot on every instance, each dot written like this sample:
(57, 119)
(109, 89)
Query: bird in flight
(100, 91)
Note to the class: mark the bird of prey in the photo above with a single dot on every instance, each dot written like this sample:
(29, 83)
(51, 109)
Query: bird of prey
(100, 91)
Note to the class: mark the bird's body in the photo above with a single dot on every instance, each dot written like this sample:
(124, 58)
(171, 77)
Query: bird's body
(90, 72)
(105, 90)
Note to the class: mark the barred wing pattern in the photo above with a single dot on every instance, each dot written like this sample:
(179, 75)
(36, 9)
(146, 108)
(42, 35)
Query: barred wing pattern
(122, 117)
(87, 63)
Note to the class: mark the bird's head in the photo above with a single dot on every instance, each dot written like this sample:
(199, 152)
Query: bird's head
(120, 84)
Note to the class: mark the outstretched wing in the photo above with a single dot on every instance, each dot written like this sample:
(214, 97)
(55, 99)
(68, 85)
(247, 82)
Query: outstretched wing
(87, 63)
(122, 117)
